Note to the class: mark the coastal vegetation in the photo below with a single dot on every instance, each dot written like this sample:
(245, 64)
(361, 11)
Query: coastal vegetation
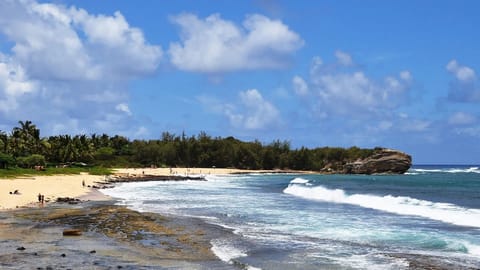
(24, 149)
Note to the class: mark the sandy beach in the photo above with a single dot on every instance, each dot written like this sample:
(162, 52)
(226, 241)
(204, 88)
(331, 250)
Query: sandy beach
(51, 187)
(56, 186)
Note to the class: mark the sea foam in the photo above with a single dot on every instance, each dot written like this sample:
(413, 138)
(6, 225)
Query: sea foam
(445, 170)
(401, 205)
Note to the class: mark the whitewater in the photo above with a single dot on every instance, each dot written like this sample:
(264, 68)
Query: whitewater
(429, 217)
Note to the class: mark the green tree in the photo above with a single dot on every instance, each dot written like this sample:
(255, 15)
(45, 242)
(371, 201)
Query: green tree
(31, 161)
(6, 160)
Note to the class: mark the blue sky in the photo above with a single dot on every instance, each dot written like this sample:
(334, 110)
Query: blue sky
(399, 74)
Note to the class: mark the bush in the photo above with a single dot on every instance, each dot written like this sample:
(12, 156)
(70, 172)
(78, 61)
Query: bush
(31, 161)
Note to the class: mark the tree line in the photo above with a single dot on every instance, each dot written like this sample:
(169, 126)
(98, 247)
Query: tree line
(24, 147)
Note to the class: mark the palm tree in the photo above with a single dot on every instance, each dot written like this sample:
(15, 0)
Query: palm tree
(26, 139)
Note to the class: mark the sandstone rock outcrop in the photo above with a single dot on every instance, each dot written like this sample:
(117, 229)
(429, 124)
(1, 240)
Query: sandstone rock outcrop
(383, 161)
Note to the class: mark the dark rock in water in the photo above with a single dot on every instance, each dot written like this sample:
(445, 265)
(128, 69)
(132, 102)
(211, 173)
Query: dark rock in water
(72, 232)
(63, 255)
(383, 161)
(21, 248)
(93, 251)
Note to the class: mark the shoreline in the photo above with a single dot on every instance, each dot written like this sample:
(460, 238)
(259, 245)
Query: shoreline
(111, 236)
(60, 186)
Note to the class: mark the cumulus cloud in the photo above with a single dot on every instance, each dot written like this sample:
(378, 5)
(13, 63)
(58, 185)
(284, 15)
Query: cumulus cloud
(462, 73)
(337, 91)
(74, 63)
(251, 112)
(465, 86)
(14, 83)
(215, 45)
(300, 86)
(344, 58)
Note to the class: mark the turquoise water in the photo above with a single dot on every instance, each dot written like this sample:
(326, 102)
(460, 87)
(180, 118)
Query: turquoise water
(291, 221)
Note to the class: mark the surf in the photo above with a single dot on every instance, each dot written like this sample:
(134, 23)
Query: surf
(401, 205)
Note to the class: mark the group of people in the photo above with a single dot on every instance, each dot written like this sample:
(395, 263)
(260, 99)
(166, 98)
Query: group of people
(41, 198)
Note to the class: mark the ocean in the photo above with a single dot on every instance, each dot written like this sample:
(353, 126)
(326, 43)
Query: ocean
(428, 217)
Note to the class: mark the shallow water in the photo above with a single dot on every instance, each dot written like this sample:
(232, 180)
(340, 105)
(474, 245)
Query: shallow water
(429, 217)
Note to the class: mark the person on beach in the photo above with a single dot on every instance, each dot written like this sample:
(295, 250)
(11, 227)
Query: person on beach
(83, 183)
(43, 199)
(39, 197)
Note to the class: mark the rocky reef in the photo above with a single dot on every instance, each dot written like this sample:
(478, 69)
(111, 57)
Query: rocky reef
(379, 161)
(382, 161)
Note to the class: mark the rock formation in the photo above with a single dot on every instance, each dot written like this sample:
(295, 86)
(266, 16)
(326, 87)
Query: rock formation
(383, 161)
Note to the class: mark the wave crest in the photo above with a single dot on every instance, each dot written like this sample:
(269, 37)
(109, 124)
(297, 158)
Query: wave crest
(444, 170)
(401, 205)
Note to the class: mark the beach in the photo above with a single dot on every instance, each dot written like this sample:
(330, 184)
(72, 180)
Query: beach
(55, 186)
(51, 187)
(111, 236)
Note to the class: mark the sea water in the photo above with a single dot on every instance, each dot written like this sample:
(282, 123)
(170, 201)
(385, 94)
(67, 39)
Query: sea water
(287, 221)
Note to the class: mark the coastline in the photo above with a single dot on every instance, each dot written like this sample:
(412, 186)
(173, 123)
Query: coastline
(56, 186)
(111, 236)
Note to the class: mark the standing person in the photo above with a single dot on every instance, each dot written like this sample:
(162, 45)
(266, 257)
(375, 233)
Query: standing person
(39, 197)
(83, 183)
(43, 199)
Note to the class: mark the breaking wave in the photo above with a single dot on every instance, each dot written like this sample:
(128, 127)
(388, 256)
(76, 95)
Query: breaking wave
(401, 205)
(444, 170)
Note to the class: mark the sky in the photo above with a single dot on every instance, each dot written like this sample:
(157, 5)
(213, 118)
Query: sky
(396, 74)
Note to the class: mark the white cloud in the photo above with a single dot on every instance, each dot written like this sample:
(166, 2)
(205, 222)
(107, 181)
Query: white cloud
(300, 86)
(120, 48)
(352, 92)
(123, 107)
(462, 73)
(406, 75)
(465, 87)
(252, 112)
(13, 84)
(49, 44)
(344, 58)
(215, 45)
(70, 68)
(258, 113)
(461, 118)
